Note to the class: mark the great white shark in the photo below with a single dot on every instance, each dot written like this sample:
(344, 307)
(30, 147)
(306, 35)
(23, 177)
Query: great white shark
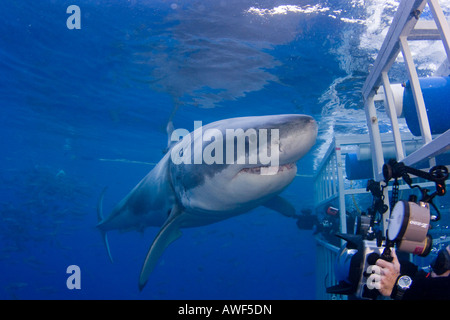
(175, 194)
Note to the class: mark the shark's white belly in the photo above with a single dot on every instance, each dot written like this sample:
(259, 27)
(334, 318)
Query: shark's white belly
(224, 200)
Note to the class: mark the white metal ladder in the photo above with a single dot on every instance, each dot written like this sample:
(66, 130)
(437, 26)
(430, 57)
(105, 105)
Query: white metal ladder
(405, 27)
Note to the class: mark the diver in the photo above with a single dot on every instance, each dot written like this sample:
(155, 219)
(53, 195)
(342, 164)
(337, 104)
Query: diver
(327, 225)
(405, 282)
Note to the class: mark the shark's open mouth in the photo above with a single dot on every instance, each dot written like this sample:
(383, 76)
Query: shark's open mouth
(268, 170)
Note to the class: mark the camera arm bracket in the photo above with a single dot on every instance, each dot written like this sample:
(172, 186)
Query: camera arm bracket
(437, 174)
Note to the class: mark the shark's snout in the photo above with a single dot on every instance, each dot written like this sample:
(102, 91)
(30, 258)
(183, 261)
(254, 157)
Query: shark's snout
(290, 138)
(297, 135)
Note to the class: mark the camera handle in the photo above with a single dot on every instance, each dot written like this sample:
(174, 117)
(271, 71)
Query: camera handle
(386, 255)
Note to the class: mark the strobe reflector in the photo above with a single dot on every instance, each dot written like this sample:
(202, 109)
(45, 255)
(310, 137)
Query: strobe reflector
(408, 227)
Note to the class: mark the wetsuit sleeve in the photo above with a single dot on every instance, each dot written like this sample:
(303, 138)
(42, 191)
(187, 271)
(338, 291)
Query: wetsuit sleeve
(428, 288)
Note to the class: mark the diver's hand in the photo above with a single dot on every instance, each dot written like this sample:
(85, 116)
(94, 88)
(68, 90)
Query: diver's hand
(390, 271)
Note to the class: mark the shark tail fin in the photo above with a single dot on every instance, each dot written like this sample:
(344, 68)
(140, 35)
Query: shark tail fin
(100, 220)
(169, 232)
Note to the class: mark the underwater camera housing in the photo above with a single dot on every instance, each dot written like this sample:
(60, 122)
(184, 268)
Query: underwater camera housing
(355, 267)
(409, 222)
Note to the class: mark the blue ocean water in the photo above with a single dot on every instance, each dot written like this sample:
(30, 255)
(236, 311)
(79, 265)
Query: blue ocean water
(87, 108)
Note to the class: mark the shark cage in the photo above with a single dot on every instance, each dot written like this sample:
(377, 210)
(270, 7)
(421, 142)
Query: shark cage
(383, 190)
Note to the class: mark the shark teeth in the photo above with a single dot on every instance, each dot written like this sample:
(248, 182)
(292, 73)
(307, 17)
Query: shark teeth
(268, 170)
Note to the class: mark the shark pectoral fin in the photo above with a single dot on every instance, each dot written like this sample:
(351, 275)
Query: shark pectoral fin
(282, 206)
(169, 232)
(100, 219)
